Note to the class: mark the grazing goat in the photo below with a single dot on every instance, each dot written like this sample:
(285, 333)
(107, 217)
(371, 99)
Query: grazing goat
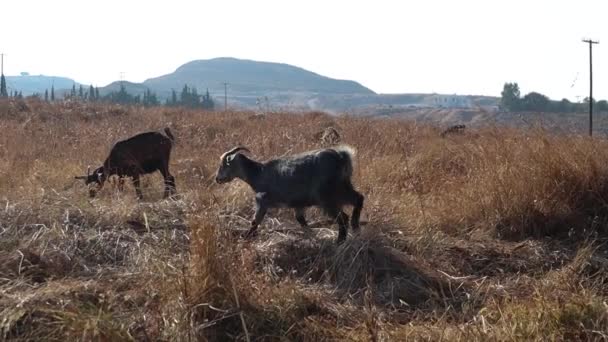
(316, 178)
(141, 154)
(456, 129)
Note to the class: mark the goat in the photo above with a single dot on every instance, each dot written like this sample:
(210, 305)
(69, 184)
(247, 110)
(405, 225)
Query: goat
(456, 129)
(315, 178)
(141, 154)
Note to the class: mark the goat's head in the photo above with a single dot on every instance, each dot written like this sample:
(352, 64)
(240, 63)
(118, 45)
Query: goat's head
(98, 177)
(230, 167)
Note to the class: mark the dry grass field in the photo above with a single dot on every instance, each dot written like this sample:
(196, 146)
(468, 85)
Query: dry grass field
(496, 234)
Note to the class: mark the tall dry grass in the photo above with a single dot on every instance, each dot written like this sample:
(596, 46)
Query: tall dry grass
(498, 234)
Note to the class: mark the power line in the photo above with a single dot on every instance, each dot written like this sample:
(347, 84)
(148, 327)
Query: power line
(575, 79)
(590, 42)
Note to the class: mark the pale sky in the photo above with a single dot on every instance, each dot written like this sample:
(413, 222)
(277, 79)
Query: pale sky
(443, 46)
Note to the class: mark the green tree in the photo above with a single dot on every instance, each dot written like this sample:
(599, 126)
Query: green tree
(184, 97)
(91, 93)
(535, 101)
(173, 97)
(97, 93)
(150, 99)
(194, 97)
(565, 106)
(80, 92)
(189, 97)
(3, 92)
(207, 102)
(73, 92)
(46, 95)
(510, 100)
(602, 106)
(122, 97)
(586, 101)
(53, 92)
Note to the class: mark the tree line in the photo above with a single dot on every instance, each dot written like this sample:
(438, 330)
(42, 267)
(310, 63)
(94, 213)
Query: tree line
(188, 97)
(512, 101)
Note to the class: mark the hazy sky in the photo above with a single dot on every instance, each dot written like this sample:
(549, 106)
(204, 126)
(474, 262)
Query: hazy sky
(463, 47)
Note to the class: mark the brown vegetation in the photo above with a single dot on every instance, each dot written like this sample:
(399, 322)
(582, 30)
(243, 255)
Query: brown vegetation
(495, 235)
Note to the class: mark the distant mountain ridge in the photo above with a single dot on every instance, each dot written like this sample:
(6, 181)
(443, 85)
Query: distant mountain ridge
(31, 84)
(247, 76)
(263, 86)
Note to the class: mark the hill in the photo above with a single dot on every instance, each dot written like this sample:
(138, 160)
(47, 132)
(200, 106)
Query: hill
(251, 77)
(28, 84)
(252, 82)
(264, 86)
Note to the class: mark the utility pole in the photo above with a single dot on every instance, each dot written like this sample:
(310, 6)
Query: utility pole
(225, 96)
(590, 42)
(2, 66)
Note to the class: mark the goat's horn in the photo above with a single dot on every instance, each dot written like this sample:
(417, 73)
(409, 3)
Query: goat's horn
(88, 170)
(80, 177)
(234, 150)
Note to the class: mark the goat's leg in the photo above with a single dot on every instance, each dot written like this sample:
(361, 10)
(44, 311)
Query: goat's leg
(300, 217)
(137, 186)
(169, 182)
(261, 207)
(335, 213)
(356, 200)
(169, 186)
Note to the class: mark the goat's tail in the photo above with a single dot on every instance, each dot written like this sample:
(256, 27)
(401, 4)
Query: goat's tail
(169, 134)
(347, 153)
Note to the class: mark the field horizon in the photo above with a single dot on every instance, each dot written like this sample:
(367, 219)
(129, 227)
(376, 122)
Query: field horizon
(498, 233)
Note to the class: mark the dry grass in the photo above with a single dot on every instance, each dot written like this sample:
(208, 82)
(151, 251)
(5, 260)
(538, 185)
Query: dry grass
(499, 234)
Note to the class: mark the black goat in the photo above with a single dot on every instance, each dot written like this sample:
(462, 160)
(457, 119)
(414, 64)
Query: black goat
(316, 178)
(141, 154)
(456, 129)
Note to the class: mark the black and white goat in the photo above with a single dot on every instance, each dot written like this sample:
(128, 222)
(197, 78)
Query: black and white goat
(316, 178)
(141, 154)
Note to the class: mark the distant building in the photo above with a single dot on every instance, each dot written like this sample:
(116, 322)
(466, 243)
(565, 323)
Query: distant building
(451, 101)
(25, 73)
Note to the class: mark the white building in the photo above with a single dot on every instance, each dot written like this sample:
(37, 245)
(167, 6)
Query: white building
(451, 101)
